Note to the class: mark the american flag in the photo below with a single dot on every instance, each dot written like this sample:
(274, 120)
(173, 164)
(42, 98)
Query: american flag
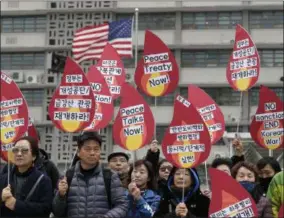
(89, 42)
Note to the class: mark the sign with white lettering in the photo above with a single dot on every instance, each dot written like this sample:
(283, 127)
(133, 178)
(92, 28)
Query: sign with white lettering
(244, 66)
(209, 110)
(267, 126)
(186, 142)
(104, 103)
(112, 68)
(157, 73)
(229, 198)
(134, 124)
(14, 111)
(72, 106)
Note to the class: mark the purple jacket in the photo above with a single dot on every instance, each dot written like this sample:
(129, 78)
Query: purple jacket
(264, 208)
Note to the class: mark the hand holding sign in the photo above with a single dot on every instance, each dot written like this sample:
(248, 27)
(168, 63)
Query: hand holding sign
(244, 66)
(111, 67)
(14, 111)
(157, 72)
(229, 198)
(267, 126)
(134, 124)
(209, 110)
(103, 98)
(71, 108)
(186, 142)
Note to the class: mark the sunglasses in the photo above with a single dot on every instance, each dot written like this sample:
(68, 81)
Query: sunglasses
(22, 150)
(163, 169)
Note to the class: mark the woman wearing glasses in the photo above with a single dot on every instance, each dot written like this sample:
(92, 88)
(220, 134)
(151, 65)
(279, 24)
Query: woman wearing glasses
(29, 192)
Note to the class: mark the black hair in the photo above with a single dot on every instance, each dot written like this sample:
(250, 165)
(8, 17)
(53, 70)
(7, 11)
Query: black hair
(152, 183)
(85, 136)
(222, 161)
(251, 167)
(33, 144)
(269, 161)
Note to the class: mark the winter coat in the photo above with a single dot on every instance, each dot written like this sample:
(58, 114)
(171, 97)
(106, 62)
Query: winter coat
(88, 198)
(276, 192)
(264, 208)
(43, 164)
(145, 207)
(197, 204)
(39, 203)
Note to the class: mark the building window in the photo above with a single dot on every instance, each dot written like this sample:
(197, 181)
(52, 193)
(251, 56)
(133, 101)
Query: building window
(130, 62)
(234, 129)
(205, 58)
(254, 94)
(34, 97)
(23, 24)
(22, 61)
(160, 133)
(211, 20)
(153, 21)
(183, 91)
(271, 58)
(266, 19)
(224, 96)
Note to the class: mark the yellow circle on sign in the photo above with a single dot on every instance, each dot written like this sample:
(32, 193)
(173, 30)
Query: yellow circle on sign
(155, 90)
(243, 83)
(4, 140)
(71, 125)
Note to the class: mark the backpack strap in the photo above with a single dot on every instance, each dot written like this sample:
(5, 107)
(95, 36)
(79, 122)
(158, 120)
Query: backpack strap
(34, 187)
(107, 174)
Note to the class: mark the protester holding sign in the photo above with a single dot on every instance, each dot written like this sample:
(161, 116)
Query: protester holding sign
(174, 204)
(143, 200)
(87, 189)
(29, 192)
(246, 174)
(162, 167)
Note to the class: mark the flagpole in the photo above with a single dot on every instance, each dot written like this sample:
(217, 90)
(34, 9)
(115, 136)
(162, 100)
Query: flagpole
(136, 37)
(135, 60)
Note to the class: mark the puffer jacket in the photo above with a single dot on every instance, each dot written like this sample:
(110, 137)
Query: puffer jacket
(145, 207)
(89, 198)
(264, 208)
(196, 203)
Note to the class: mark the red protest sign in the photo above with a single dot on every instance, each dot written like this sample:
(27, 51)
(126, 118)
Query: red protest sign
(209, 110)
(244, 65)
(111, 67)
(14, 111)
(157, 73)
(134, 124)
(72, 106)
(103, 98)
(266, 128)
(281, 211)
(229, 198)
(187, 141)
(5, 150)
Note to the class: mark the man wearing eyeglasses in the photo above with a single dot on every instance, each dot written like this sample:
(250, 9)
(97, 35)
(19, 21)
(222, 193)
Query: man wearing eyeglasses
(84, 191)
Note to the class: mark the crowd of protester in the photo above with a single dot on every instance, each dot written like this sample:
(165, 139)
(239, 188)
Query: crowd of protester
(150, 187)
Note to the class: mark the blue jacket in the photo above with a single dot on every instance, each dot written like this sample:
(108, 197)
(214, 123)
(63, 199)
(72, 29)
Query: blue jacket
(145, 207)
